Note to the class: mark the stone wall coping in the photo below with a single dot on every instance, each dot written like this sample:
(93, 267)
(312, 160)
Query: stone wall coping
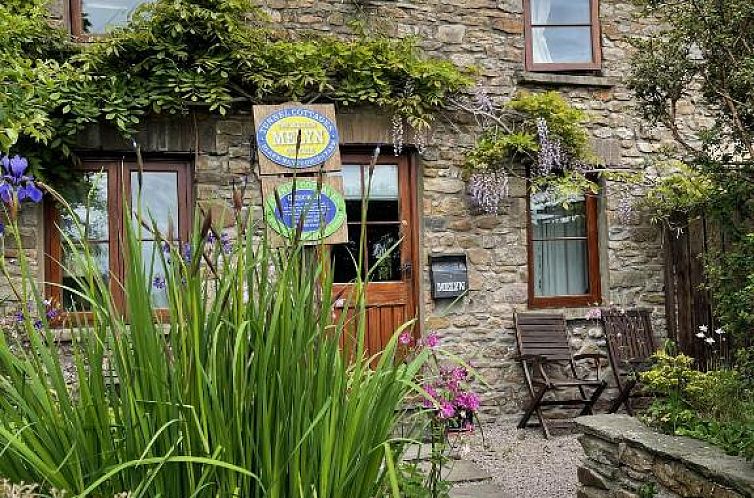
(707, 460)
(566, 79)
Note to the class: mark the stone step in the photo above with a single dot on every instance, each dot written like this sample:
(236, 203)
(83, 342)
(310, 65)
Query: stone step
(484, 490)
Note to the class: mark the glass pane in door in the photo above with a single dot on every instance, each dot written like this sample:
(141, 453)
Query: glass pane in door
(383, 223)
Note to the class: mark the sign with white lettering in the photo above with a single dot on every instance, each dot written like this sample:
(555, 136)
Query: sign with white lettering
(298, 138)
(314, 210)
(449, 276)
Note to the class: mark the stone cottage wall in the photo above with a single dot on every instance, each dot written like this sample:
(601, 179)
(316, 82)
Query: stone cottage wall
(489, 35)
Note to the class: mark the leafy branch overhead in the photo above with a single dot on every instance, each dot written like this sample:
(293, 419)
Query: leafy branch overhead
(210, 52)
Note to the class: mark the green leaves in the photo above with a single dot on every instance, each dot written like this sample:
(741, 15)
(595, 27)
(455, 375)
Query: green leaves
(179, 52)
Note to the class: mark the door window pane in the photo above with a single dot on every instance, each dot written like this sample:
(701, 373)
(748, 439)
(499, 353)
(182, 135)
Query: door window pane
(72, 270)
(559, 240)
(383, 222)
(560, 12)
(89, 205)
(384, 258)
(159, 201)
(571, 44)
(101, 16)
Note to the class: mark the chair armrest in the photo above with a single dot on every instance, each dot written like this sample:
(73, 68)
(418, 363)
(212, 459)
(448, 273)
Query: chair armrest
(536, 358)
(588, 356)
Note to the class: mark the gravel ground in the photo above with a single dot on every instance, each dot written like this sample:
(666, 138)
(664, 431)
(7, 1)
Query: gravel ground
(522, 463)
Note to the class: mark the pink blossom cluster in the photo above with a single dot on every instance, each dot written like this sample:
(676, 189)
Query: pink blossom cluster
(449, 394)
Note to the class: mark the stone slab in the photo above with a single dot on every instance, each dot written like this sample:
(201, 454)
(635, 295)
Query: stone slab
(485, 490)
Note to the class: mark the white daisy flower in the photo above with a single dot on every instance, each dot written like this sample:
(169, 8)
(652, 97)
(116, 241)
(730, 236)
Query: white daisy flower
(701, 335)
(719, 331)
(703, 328)
(710, 340)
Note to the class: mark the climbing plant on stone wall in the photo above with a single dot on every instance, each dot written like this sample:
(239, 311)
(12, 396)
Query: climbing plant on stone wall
(181, 52)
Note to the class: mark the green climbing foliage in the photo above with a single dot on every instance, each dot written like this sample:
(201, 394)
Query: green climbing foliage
(178, 53)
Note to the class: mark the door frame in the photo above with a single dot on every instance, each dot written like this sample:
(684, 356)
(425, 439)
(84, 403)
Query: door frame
(407, 171)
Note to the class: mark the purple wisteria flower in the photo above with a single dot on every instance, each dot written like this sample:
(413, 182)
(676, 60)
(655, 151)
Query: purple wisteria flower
(405, 338)
(15, 180)
(468, 400)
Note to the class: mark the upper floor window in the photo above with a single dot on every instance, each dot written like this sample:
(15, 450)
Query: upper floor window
(97, 17)
(563, 251)
(562, 35)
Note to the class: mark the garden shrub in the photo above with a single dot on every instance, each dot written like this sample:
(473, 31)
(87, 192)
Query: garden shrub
(715, 406)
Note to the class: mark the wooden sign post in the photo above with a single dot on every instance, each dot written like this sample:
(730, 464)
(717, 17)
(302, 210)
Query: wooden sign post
(299, 158)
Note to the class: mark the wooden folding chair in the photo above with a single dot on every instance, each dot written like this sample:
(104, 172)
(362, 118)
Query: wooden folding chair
(542, 340)
(630, 346)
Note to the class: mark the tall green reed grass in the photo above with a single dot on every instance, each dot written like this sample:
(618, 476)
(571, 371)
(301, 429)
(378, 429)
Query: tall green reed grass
(240, 390)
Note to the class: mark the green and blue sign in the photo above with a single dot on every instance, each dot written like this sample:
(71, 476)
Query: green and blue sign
(319, 209)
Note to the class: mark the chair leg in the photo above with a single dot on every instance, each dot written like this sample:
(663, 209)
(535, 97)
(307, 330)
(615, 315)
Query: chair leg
(587, 410)
(534, 405)
(624, 399)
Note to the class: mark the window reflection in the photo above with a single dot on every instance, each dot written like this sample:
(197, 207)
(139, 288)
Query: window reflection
(101, 16)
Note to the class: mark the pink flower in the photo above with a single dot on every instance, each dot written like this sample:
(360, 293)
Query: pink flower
(432, 340)
(447, 410)
(459, 374)
(405, 338)
(468, 400)
(432, 393)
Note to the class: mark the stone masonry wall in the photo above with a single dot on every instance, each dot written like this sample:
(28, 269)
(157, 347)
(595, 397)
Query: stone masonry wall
(489, 35)
(625, 459)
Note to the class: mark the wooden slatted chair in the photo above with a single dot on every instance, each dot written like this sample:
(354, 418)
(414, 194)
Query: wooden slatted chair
(630, 346)
(542, 340)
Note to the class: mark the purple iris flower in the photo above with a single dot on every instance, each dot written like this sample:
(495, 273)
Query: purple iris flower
(14, 176)
(31, 192)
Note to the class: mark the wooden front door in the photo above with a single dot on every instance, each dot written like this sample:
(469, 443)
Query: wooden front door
(391, 295)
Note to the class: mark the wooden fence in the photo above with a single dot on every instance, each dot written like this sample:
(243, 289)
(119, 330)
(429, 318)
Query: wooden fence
(688, 305)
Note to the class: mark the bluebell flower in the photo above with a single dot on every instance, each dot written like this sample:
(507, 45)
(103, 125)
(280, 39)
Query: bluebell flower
(158, 282)
(226, 243)
(38, 324)
(186, 253)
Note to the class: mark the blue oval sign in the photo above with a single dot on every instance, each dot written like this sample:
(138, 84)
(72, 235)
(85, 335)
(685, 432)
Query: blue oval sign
(278, 133)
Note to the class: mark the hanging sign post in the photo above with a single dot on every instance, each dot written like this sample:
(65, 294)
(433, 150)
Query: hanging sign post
(317, 210)
(277, 132)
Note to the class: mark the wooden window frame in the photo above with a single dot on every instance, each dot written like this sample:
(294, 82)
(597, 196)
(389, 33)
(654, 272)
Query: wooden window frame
(75, 22)
(596, 33)
(119, 184)
(594, 296)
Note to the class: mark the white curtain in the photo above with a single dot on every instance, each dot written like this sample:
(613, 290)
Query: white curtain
(540, 14)
(560, 266)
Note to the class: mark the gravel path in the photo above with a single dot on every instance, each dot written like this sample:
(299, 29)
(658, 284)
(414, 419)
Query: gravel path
(521, 462)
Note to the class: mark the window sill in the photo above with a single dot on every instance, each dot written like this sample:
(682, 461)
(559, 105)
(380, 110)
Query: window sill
(528, 77)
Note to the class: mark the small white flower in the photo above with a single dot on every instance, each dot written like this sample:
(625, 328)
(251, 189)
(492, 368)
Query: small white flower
(719, 331)
(710, 340)
(701, 335)
(703, 328)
